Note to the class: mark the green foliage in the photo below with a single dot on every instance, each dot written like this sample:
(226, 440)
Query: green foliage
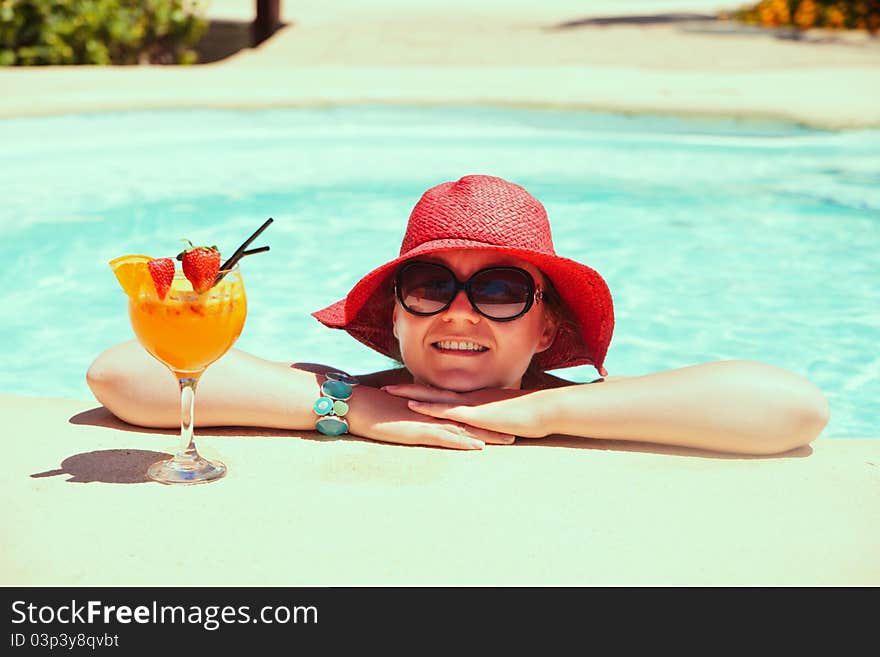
(34, 32)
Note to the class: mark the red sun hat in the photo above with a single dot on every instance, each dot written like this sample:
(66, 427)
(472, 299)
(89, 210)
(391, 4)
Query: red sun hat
(488, 213)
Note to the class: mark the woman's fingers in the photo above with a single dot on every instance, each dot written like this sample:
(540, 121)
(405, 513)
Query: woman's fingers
(443, 435)
(457, 433)
(451, 435)
(479, 433)
(490, 437)
(432, 434)
(450, 411)
(462, 435)
(466, 416)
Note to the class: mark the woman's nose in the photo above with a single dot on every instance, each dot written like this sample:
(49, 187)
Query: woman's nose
(461, 308)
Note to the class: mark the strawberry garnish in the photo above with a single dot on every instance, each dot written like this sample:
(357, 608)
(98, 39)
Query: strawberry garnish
(162, 273)
(200, 266)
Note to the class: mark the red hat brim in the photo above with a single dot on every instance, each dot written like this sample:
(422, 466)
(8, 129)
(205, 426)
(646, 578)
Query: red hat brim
(366, 311)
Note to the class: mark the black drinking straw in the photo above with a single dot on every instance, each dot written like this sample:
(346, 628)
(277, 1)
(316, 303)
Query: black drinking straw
(240, 251)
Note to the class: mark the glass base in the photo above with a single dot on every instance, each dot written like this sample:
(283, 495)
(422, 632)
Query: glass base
(199, 471)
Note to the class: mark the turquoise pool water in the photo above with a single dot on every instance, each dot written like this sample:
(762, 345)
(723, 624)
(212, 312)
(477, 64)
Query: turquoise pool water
(719, 239)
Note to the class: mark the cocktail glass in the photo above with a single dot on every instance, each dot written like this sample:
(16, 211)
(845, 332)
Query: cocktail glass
(188, 331)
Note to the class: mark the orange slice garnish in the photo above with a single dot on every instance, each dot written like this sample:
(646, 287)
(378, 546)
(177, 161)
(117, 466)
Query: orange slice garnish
(132, 272)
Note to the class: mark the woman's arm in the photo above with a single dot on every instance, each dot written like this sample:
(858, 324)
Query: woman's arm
(728, 406)
(237, 390)
(243, 390)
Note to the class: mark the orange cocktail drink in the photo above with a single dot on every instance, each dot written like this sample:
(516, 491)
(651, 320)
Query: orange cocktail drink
(186, 330)
(186, 320)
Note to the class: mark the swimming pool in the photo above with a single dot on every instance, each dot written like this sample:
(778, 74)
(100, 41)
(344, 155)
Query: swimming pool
(719, 239)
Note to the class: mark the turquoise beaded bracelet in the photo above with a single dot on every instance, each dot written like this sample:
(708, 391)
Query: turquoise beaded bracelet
(331, 406)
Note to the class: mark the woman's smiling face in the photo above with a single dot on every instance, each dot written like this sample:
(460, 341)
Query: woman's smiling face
(495, 354)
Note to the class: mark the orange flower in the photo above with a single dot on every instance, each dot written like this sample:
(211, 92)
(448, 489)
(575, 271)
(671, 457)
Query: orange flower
(773, 13)
(834, 17)
(767, 16)
(805, 15)
(782, 12)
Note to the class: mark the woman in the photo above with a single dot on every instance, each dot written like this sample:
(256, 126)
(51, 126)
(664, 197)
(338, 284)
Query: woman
(477, 308)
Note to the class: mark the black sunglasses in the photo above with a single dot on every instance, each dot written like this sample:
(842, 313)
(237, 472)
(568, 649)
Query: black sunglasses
(501, 294)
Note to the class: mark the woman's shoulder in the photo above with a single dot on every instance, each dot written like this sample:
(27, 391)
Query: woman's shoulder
(543, 380)
(400, 375)
(393, 376)
(532, 380)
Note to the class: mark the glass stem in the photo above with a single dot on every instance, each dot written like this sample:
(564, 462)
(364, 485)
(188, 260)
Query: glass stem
(187, 452)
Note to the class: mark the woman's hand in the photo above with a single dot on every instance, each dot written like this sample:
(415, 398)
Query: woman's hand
(381, 416)
(512, 412)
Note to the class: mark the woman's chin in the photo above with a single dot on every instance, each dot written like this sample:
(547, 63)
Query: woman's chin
(458, 381)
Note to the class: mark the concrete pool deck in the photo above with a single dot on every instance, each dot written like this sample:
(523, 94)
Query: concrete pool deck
(448, 53)
(303, 509)
(308, 510)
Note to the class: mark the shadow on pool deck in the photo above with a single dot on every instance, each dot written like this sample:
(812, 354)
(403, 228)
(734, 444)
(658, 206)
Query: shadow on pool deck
(650, 19)
(109, 466)
(226, 38)
(715, 25)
